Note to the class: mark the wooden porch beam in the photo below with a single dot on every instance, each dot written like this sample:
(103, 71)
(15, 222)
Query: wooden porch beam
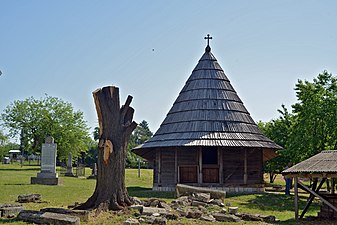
(176, 180)
(159, 166)
(311, 197)
(296, 197)
(245, 173)
(302, 186)
(314, 175)
(200, 165)
(220, 158)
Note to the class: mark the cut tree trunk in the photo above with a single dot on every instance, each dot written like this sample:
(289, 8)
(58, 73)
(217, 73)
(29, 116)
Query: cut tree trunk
(116, 126)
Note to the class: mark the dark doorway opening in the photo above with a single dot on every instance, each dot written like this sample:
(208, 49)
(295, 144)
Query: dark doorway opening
(210, 167)
(210, 155)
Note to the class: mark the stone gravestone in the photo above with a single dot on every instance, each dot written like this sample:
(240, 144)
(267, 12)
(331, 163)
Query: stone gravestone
(93, 172)
(69, 172)
(48, 173)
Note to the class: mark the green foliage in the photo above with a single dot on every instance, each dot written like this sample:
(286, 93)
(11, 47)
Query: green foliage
(141, 134)
(96, 133)
(278, 130)
(314, 127)
(3, 138)
(6, 145)
(34, 119)
(310, 127)
(91, 155)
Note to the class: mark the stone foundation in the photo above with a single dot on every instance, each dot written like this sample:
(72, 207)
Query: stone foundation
(229, 190)
(45, 181)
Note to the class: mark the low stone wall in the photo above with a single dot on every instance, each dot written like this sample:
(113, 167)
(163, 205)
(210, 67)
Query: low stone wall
(230, 190)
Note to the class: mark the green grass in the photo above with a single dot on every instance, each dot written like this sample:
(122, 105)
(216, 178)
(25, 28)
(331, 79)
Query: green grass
(15, 181)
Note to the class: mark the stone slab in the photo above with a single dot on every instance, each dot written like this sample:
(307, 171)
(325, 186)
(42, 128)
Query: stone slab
(182, 189)
(225, 217)
(45, 181)
(29, 198)
(151, 210)
(233, 210)
(197, 203)
(82, 214)
(39, 217)
(137, 207)
(131, 221)
(10, 212)
(46, 174)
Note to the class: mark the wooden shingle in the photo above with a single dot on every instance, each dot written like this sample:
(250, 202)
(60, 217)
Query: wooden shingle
(208, 112)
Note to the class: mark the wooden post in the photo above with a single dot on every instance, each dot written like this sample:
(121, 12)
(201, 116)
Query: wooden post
(159, 166)
(245, 177)
(200, 165)
(333, 186)
(220, 158)
(138, 160)
(176, 166)
(296, 197)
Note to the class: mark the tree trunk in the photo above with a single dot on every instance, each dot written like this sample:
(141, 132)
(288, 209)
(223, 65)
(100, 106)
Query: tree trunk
(272, 177)
(116, 126)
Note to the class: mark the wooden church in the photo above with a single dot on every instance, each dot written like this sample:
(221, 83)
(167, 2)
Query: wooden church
(208, 137)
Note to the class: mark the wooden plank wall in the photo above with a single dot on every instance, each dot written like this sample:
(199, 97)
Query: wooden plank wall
(187, 156)
(255, 166)
(167, 167)
(165, 158)
(233, 166)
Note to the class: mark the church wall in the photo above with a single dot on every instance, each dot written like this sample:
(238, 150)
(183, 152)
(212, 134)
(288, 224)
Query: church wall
(233, 167)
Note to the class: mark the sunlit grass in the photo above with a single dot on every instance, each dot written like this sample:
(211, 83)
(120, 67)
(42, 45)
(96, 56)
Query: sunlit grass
(15, 181)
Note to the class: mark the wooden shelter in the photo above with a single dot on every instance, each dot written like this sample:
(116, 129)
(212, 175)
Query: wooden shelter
(208, 137)
(319, 168)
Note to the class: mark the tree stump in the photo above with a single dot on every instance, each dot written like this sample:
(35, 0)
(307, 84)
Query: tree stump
(116, 126)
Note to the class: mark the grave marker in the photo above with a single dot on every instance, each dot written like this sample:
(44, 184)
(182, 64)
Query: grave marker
(69, 172)
(48, 173)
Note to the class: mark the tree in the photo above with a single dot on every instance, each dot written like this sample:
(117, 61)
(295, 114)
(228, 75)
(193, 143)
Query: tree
(141, 134)
(3, 143)
(6, 145)
(115, 128)
(278, 130)
(34, 119)
(91, 155)
(3, 138)
(315, 123)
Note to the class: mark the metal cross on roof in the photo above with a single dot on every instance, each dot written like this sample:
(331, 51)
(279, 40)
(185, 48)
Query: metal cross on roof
(208, 38)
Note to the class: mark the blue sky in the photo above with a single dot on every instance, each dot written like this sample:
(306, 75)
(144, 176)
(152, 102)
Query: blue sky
(149, 48)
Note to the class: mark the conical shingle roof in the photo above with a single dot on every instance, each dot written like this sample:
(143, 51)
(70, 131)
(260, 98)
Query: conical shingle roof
(208, 112)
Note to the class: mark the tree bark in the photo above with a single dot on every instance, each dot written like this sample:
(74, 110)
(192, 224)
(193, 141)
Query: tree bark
(116, 126)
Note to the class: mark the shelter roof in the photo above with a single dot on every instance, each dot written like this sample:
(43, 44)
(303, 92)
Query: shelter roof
(14, 151)
(323, 162)
(208, 112)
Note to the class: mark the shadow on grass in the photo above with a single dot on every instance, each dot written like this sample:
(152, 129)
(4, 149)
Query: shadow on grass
(18, 169)
(4, 220)
(308, 221)
(142, 192)
(278, 202)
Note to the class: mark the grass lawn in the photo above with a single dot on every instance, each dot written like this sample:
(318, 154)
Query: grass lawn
(15, 181)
